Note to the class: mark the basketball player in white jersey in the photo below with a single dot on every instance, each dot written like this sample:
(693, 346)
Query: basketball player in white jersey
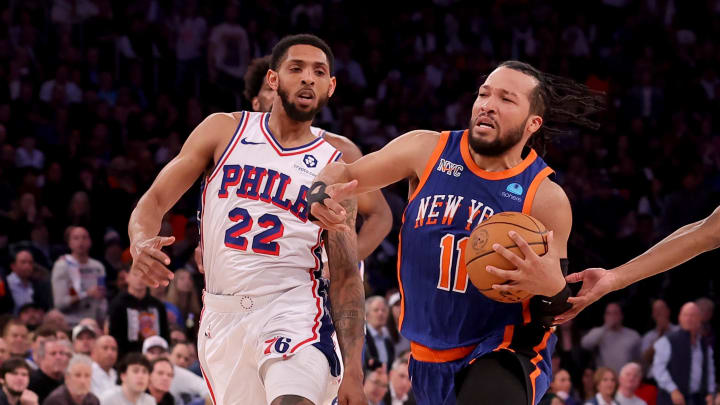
(264, 335)
(372, 207)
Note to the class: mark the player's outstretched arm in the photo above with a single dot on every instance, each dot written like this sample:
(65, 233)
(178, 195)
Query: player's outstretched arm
(347, 300)
(372, 207)
(405, 157)
(171, 183)
(679, 247)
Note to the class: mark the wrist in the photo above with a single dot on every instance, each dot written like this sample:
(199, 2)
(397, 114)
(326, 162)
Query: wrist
(617, 280)
(557, 287)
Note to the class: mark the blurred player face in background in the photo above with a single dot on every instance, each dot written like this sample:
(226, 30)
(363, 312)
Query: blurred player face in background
(501, 113)
(264, 99)
(303, 82)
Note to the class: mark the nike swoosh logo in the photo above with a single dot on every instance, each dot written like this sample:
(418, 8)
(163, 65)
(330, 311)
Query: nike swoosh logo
(246, 142)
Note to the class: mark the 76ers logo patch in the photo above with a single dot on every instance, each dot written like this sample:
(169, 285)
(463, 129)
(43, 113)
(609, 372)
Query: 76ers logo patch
(310, 161)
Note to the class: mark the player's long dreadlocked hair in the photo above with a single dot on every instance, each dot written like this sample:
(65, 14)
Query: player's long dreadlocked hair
(563, 103)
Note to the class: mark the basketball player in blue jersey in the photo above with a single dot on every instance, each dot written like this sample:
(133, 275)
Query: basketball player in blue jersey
(265, 327)
(466, 348)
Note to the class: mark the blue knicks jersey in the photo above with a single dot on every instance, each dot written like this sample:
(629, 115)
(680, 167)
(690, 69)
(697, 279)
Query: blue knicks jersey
(441, 309)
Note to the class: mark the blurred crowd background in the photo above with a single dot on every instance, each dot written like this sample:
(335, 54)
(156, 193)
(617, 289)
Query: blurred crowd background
(97, 95)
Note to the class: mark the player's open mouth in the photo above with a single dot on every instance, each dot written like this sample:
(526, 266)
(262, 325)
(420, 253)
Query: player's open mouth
(485, 122)
(305, 97)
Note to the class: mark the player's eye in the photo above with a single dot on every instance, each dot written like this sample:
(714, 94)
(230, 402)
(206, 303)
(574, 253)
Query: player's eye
(508, 100)
(320, 72)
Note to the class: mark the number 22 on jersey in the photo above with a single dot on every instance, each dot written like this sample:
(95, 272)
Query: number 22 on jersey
(452, 255)
(264, 242)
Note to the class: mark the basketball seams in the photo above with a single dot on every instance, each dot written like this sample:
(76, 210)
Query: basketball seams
(509, 223)
(506, 247)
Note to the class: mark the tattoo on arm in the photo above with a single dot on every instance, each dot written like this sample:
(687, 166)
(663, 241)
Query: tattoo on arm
(347, 295)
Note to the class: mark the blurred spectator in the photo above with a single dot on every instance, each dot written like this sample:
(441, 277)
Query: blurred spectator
(104, 356)
(15, 376)
(78, 280)
(376, 384)
(191, 31)
(661, 316)
(629, 381)
(56, 320)
(181, 355)
(161, 376)
(400, 390)
(22, 287)
(707, 310)
(561, 386)
(588, 384)
(76, 389)
(27, 154)
(400, 343)
(683, 364)
(134, 372)
(614, 344)
(378, 345)
(185, 384)
(83, 339)
(53, 357)
(183, 295)
(39, 337)
(135, 316)
(605, 381)
(229, 50)
(15, 334)
(4, 354)
(177, 336)
(61, 86)
(31, 314)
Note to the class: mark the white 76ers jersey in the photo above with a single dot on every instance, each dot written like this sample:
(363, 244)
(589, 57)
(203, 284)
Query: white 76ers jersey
(255, 233)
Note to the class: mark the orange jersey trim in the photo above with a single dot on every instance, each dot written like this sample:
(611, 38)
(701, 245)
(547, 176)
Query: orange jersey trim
(430, 166)
(526, 312)
(532, 190)
(503, 174)
(534, 375)
(428, 355)
(507, 339)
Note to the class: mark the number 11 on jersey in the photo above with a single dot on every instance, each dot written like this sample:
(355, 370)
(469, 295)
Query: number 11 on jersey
(452, 255)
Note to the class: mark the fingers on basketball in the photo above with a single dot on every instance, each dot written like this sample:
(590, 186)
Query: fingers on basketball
(479, 252)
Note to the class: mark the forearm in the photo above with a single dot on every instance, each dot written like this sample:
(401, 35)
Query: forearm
(146, 219)
(347, 295)
(336, 172)
(679, 247)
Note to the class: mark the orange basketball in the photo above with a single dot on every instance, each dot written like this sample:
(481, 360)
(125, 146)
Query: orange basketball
(479, 252)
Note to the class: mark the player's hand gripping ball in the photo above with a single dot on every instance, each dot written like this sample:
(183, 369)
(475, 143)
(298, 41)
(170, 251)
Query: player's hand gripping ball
(479, 252)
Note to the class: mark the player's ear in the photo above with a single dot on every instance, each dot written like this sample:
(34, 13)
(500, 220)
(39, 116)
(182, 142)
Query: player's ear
(331, 89)
(533, 124)
(271, 77)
